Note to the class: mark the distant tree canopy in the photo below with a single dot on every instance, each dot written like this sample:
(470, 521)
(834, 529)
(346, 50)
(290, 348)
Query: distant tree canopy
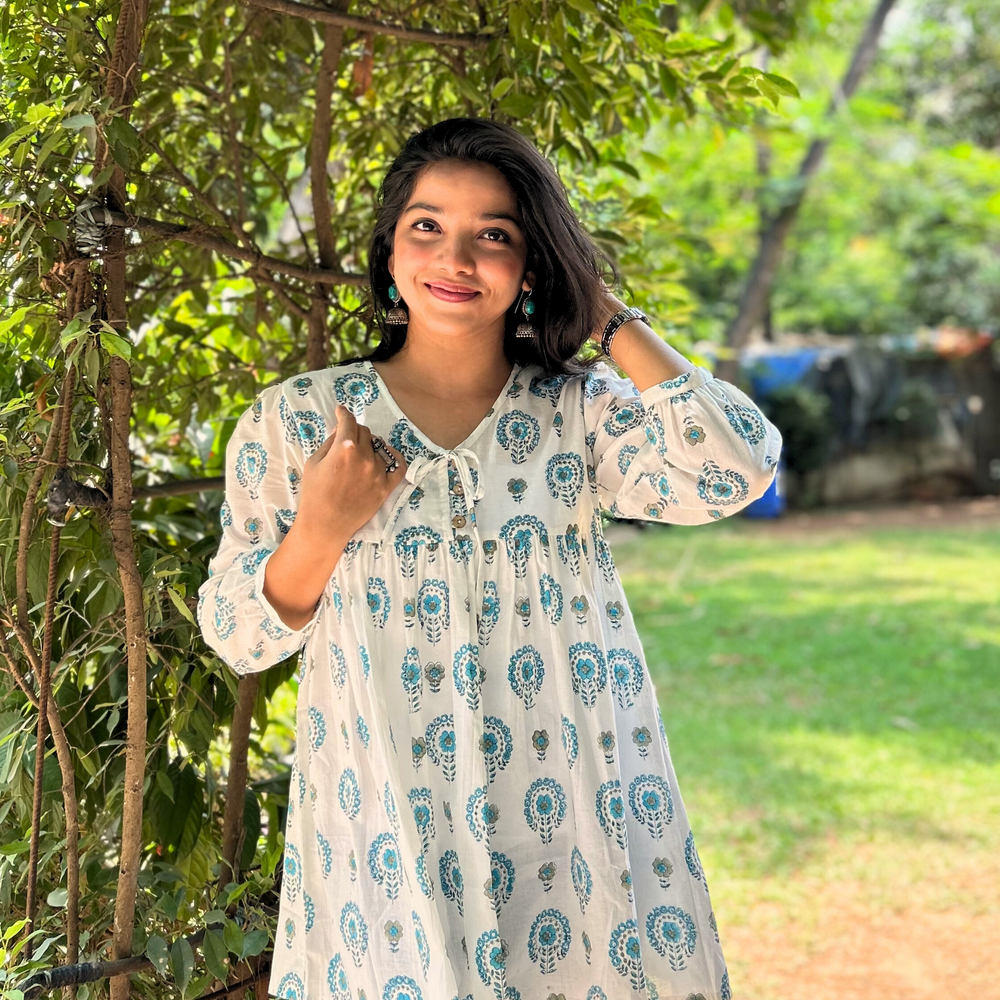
(187, 194)
(901, 225)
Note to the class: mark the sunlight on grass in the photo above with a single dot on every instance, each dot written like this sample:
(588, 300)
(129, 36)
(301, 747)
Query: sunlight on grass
(832, 706)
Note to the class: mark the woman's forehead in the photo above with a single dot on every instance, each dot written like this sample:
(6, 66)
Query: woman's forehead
(455, 184)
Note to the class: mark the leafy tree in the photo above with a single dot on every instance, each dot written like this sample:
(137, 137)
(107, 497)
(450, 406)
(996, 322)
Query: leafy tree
(901, 224)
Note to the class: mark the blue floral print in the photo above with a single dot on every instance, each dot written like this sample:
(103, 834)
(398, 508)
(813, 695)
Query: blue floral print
(474, 659)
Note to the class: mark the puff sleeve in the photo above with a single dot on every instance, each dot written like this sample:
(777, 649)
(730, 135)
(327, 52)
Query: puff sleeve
(263, 471)
(688, 450)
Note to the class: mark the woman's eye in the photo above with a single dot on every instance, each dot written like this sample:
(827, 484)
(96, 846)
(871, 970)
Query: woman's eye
(493, 235)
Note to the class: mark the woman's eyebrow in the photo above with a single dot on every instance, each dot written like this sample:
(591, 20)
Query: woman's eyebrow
(423, 206)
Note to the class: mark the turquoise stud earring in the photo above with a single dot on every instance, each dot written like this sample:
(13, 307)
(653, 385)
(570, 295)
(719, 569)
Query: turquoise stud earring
(526, 329)
(397, 315)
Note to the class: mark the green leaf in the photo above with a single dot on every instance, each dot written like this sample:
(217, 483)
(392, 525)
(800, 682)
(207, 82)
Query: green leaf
(769, 90)
(501, 88)
(158, 954)
(47, 147)
(15, 928)
(21, 153)
(610, 236)
(234, 938)
(79, 121)
(181, 963)
(469, 90)
(10, 469)
(584, 6)
(20, 133)
(254, 942)
(57, 897)
(121, 154)
(89, 764)
(785, 86)
(118, 131)
(625, 168)
(76, 328)
(103, 177)
(14, 318)
(518, 105)
(178, 603)
(165, 785)
(251, 828)
(92, 363)
(113, 344)
(216, 954)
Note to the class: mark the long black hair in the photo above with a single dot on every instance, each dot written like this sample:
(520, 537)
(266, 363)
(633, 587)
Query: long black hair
(569, 267)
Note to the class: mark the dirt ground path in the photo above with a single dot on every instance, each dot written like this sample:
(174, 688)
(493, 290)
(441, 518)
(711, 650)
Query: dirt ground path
(850, 940)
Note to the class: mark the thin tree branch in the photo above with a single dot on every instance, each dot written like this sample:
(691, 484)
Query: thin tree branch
(287, 301)
(318, 340)
(27, 516)
(90, 972)
(234, 145)
(121, 88)
(196, 191)
(12, 669)
(212, 239)
(181, 487)
(294, 9)
(61, 427)
(287, 196)
(239, 735)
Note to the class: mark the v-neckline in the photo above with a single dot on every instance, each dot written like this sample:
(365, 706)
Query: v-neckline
(439, 449)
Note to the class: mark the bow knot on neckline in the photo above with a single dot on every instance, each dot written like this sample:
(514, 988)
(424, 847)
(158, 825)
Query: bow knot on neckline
(466, 463)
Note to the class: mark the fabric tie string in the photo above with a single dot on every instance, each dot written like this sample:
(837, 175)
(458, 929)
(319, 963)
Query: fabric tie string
(473, 488)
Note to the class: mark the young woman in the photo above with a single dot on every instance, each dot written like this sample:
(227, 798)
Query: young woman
(482, 801)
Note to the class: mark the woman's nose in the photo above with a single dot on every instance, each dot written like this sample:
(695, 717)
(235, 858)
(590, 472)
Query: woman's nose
(457, 252)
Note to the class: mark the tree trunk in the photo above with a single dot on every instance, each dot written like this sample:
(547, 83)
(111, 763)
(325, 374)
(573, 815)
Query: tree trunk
(318, 342)
(232, 823)
(756, 291)
(61, 429)
(122, 79)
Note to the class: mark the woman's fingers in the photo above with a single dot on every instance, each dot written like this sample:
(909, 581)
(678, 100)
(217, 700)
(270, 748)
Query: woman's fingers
(321, 452)
(347, 426)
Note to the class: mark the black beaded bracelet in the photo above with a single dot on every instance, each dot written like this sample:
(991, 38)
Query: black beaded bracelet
(619, 319)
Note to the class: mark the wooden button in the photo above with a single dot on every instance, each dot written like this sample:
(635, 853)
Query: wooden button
(457, 490)
(458, 521)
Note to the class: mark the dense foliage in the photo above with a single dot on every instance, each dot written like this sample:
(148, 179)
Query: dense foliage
(900, 227)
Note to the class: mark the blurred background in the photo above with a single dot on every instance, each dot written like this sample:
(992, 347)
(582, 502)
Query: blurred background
(803, 194)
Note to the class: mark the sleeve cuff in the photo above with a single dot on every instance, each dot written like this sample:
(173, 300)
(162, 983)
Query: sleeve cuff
(678, 388)
(273, 624)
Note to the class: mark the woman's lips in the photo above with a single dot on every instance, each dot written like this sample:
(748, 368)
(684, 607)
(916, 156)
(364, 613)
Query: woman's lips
(448, 296)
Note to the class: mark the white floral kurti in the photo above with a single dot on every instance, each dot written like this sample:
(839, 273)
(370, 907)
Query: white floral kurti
(482, 801)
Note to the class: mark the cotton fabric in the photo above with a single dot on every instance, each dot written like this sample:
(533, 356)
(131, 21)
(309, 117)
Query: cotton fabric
(482, 802)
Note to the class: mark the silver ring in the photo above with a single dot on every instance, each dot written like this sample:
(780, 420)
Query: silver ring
(379, 447)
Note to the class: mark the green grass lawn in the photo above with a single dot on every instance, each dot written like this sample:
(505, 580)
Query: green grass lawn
(832, 702)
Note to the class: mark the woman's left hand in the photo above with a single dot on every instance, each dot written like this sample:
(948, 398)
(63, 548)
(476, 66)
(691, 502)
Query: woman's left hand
(607, 308)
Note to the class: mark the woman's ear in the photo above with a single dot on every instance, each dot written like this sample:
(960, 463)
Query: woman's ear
(388, 265)
(529, 281)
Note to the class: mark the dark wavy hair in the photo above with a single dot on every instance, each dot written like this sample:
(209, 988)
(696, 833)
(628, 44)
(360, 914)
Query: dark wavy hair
(569, 267)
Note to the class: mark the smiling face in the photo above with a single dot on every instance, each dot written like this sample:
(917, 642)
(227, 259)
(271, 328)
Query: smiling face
(459, 254)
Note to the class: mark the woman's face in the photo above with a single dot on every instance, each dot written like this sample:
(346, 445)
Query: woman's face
(459, 254)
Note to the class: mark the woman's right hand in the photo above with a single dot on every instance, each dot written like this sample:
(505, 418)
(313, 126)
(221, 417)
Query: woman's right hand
(344, 481)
